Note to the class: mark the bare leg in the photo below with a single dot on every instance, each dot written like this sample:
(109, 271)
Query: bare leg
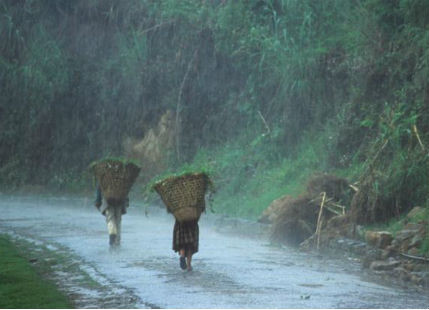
(113, 219)
(111, 225)
(189, 259)
(118, 212)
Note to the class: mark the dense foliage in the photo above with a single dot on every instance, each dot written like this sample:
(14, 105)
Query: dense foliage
(267, 91)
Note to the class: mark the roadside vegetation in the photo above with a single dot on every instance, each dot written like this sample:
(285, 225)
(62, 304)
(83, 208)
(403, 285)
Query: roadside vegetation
(264, 94)
(21, 285)
(260, 94)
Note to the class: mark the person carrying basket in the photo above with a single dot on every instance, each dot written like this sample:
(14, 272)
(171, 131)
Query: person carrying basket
(113, 213)
(114, 180)
(184, 197)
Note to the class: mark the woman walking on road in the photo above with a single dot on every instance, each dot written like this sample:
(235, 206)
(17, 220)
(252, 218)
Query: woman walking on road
(185, 241)
(184, 197)
(115, 177)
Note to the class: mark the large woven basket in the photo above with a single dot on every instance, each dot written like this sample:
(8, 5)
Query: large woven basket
(184, 195)
(115, 179)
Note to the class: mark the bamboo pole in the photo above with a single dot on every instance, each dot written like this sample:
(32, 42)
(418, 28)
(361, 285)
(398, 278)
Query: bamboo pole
(420, 258)
(319, 219)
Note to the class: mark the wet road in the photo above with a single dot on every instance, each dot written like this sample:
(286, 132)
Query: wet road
(230, 270)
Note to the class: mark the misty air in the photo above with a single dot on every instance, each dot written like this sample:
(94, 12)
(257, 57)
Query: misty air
(214, 154)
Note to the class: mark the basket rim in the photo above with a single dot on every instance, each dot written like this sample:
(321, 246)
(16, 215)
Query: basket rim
(121, 161)
(175, 178)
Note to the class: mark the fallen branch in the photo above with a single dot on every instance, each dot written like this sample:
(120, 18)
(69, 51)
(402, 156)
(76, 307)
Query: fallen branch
(327, 199)
(332, 210)
(418, 137)
(355, 188)
(155, 27)
(370, 167)
(331, 207)
(343, 209)
(415, 257)
(265, 123)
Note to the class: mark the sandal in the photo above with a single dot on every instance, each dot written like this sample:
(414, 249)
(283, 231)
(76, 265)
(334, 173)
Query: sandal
(183, 262)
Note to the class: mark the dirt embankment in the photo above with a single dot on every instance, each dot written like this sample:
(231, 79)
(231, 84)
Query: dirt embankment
(153, 149)
(319, 220)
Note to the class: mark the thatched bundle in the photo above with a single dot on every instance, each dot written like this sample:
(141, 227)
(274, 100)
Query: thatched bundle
(334, 187)
(270, 214)
(296, 219)
(184, 195)
(115, 178)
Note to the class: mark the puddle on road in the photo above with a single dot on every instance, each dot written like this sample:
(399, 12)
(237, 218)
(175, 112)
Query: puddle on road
(311, 285)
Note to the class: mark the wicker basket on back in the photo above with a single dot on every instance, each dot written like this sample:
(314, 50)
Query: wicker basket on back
(115, 179)
(184, 195)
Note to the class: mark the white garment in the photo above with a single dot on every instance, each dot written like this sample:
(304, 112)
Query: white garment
(113, 216)
(113, 220)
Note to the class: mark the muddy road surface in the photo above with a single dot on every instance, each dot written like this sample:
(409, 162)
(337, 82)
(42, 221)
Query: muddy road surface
(231, 270)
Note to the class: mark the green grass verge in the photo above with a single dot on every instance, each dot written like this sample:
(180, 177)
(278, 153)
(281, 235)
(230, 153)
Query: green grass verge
(21, 286)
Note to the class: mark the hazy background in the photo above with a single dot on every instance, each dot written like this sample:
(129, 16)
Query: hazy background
(262, 94)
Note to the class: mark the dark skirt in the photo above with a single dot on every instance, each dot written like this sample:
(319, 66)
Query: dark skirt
(185, 236)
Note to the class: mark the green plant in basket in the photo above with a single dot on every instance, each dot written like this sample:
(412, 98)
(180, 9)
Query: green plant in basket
(122, 160)
(115, 177)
